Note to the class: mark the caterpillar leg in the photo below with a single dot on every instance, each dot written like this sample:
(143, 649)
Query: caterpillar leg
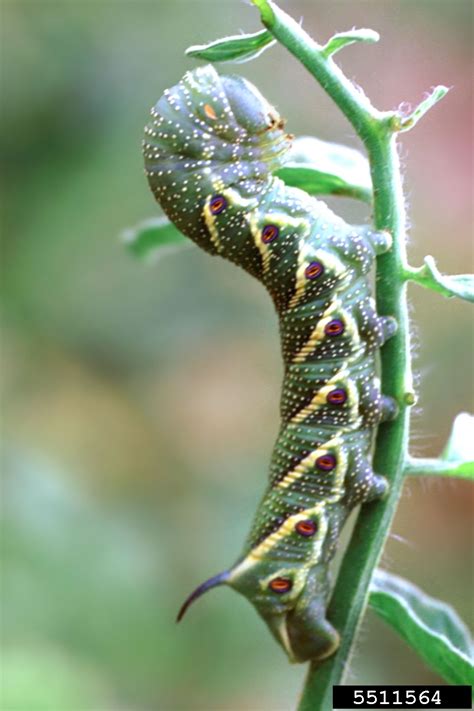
(388, 326)
(378, 488)
(379, 241)
(375, 329)
(365, 485)
(375, 407)
(361, 245)
(310, 634)
(388, 408)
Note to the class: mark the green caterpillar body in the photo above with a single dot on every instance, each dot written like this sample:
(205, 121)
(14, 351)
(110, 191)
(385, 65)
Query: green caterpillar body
(210, 150)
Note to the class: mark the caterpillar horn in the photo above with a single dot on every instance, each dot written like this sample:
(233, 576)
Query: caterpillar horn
(213, 582)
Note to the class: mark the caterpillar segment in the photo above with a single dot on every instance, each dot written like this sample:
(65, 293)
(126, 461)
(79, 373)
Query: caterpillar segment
(210, 149)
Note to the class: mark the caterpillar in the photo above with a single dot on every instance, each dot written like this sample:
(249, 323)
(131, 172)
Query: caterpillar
(210, 150)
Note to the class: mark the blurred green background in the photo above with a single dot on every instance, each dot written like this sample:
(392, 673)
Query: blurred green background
(141, 403)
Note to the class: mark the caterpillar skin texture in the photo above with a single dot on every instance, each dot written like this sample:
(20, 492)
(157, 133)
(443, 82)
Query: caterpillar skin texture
(210, 149)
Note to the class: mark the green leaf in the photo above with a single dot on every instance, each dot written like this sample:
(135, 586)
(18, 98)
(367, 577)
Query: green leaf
(463, 470)
(343, 39)
(323, 168)
(153, 238)
(238, 48)
(460, 285)
(430, 626)
(405, 123)
(457, 458)
(266, 11)
(460, 445)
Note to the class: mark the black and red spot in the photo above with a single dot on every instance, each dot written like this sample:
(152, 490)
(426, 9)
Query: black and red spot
(270, 234)
(306, 528)
(334, 328)
(218, 204)
(338, 396)
(326, 462)
(280, 585)
(313, 270)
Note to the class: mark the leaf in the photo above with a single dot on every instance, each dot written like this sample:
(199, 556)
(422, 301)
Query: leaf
(460, 445)
(154, 237)
(343, 39)
(430, 626)
(405, 123)
(237, 48)
(457, 458)
(461, 285)
(267, 12)
(323, 168)
(464, 470)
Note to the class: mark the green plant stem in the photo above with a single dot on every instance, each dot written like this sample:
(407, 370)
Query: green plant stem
(352, 101)
(376, 129)
(351, 592)
(419, 466)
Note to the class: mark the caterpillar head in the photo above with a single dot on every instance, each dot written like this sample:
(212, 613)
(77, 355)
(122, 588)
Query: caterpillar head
(212, 123)
(291, 598)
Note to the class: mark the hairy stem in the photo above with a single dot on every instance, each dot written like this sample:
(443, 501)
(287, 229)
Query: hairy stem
(435, 467)
(377, 131)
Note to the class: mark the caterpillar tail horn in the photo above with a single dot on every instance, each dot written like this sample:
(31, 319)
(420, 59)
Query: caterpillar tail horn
(213, 582)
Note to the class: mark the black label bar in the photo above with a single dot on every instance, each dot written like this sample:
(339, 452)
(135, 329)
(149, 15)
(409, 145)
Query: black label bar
(392, 698)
